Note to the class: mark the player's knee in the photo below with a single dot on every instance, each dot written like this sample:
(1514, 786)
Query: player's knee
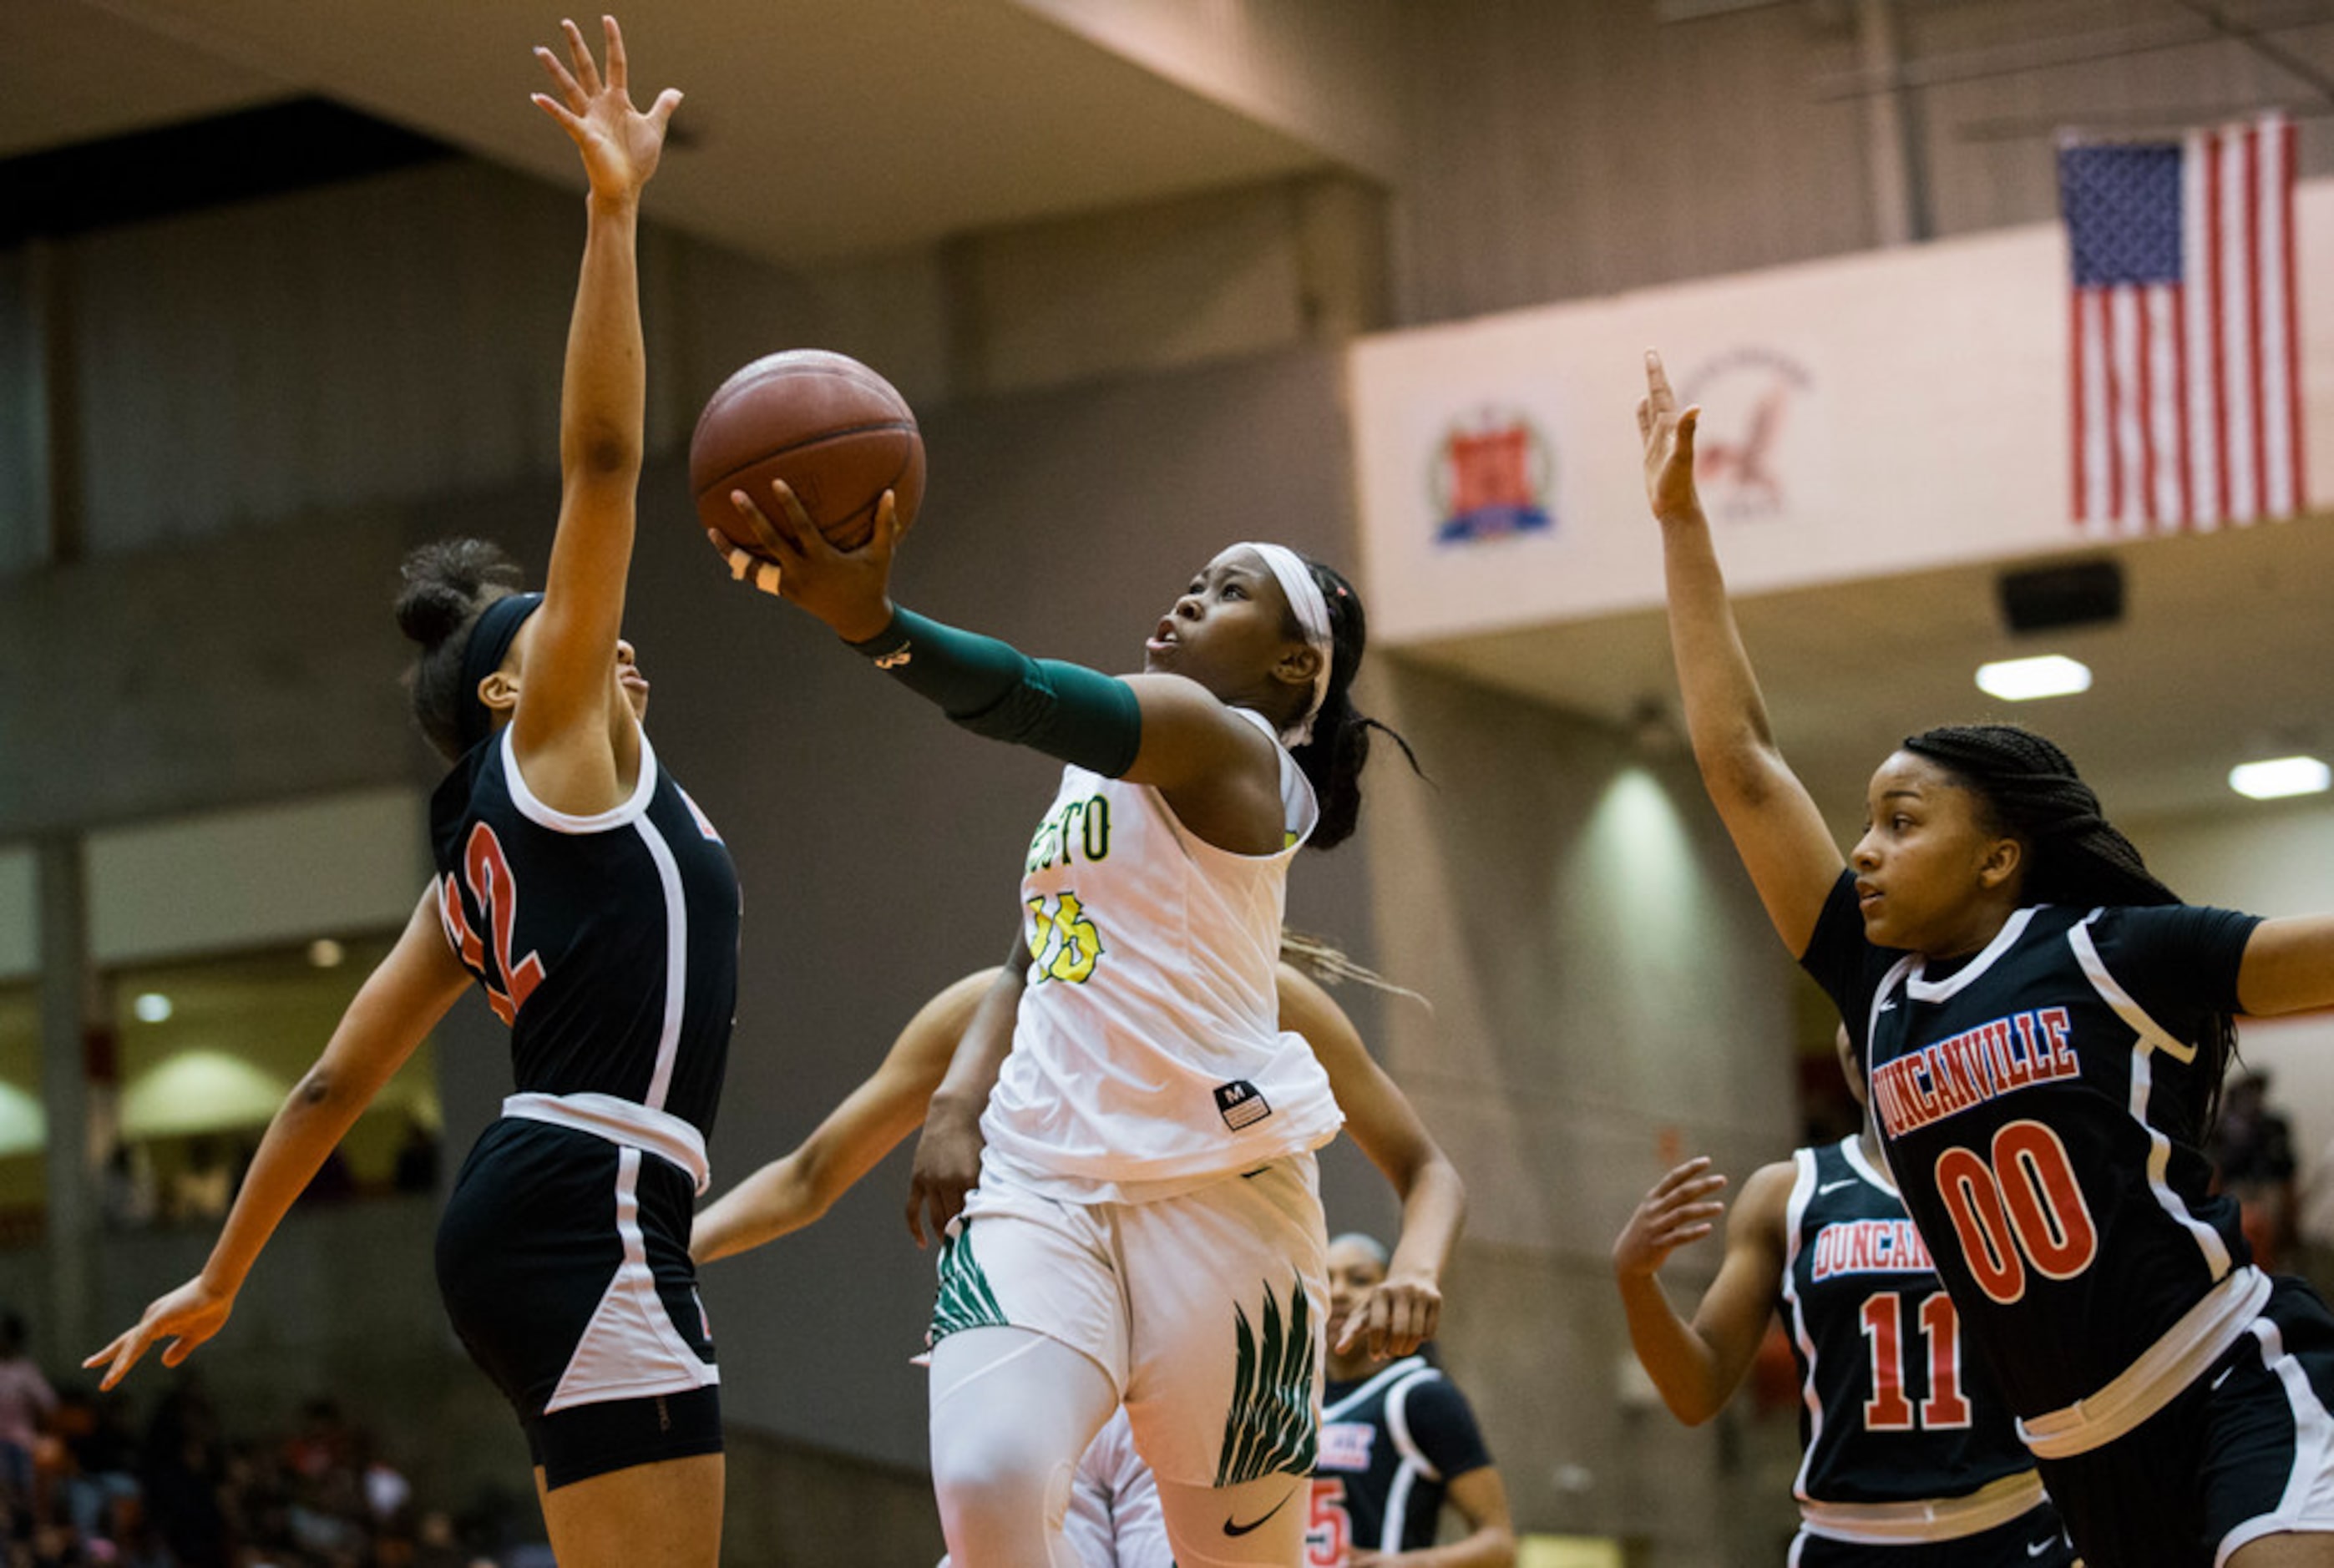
(1000, 1501)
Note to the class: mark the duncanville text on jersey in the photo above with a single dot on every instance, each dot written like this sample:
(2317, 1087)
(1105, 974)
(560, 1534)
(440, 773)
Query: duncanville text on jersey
(1973, 1067)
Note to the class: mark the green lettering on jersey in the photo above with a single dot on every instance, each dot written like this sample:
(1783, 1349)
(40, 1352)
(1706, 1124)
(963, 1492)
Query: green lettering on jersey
(1075, 830)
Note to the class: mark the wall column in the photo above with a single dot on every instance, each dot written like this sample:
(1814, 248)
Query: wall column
(68, 983)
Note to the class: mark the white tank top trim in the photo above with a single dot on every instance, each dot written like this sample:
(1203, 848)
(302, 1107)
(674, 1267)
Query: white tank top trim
(626, 1122)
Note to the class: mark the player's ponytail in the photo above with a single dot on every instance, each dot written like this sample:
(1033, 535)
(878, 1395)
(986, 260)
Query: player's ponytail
(2074, 855)
(1334, 758)
(447, 586)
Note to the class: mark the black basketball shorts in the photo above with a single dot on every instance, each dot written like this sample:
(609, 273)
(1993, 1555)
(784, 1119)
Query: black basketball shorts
(2246, 1450)
(563, 1260)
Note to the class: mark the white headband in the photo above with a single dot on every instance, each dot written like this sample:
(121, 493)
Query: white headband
(1312, 611)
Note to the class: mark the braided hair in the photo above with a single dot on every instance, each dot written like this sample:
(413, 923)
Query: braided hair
(2029, 789)
(1333, 759)
(447, 585)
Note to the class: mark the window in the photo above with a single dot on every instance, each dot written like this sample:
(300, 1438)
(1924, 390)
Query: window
(205, 1051)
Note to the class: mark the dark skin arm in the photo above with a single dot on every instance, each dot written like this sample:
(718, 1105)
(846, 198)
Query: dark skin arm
(797, 1189)
(395, 1009)
(569, 731)
(1218, 773)
(1697, 1365)
(2288, 966)
(948, 1152)
(1777, 830)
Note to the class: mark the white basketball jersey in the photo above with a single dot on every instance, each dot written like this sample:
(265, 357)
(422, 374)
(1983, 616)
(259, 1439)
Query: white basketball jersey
(1148, 1058)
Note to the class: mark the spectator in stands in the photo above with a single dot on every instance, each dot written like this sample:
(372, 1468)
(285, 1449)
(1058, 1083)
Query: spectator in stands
(2254, 1163)
(26, 1401)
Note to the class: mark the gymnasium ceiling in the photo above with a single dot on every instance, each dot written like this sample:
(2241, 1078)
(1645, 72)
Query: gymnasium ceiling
(820, 128)
(2222, 654)
(814, 128)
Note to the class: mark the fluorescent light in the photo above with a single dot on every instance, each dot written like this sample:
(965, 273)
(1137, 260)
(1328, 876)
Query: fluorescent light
(326, 954)
(152, 1007)
(2280, 776)
(2024, 680)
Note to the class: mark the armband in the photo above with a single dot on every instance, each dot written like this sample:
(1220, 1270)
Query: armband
(992, 689)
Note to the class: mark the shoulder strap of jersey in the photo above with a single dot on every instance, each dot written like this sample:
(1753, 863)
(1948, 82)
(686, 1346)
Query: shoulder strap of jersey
(1397, 1415)
(1377, 1381)
(1803, 1189)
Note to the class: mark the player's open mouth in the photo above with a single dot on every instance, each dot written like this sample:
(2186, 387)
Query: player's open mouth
(1162, 638)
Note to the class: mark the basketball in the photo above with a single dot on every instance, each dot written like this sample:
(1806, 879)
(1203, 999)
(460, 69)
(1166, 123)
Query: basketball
(837, 432)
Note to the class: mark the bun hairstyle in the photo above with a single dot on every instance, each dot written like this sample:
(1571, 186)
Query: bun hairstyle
(447, 586)
(1334, 758)
(2029, 790)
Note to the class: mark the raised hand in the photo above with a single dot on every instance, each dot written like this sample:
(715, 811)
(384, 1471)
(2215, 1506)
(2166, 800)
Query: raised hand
(1681, 1208)
(1668, 435)
(850, 589)
(620, 145)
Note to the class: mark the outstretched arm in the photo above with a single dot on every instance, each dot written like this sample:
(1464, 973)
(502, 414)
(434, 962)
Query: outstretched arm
(800, 1187)
(1698, 1365)
(1773, 821)
(1218, 771)
(1406, 1306)
(562, 731)
(397, 1006)
(2288, 966)
(948, 1155)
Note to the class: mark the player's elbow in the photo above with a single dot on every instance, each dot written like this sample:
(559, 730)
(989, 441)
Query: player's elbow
(1693, 1407)
(319, 1089)
(602, 449)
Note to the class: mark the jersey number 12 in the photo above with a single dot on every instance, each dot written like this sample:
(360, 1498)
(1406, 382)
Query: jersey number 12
(487, 870)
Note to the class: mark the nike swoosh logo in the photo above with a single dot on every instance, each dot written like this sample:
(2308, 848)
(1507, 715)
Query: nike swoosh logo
(1235, 1529)
(2224, 1377)
(1888, 1005)
(1835, 1185)
(2036, 1548)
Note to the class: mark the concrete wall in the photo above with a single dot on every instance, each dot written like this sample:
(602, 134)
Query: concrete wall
(1608, 1001)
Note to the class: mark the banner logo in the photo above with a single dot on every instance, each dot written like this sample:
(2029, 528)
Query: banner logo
(1747, 398)
(1490, 478)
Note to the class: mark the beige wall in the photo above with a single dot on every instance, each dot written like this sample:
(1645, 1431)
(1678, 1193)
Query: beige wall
(1607, 1000)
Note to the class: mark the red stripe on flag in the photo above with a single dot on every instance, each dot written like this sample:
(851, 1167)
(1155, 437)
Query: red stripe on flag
(2111, 414)
(2213, 229)
(2253, 319)
(2143, 320)
(2180, 419)
(2288, 135)
(2081, 306)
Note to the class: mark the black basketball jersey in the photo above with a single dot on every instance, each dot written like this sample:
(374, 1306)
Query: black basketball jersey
(1891, 1411)
(1391, 1445)
(2038, 1102)
(608, 943)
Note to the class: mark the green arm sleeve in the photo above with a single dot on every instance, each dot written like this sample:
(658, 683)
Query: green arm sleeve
(1081, 716)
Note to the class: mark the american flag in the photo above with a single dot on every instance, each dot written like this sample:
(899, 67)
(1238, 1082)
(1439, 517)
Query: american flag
(2186, 367)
